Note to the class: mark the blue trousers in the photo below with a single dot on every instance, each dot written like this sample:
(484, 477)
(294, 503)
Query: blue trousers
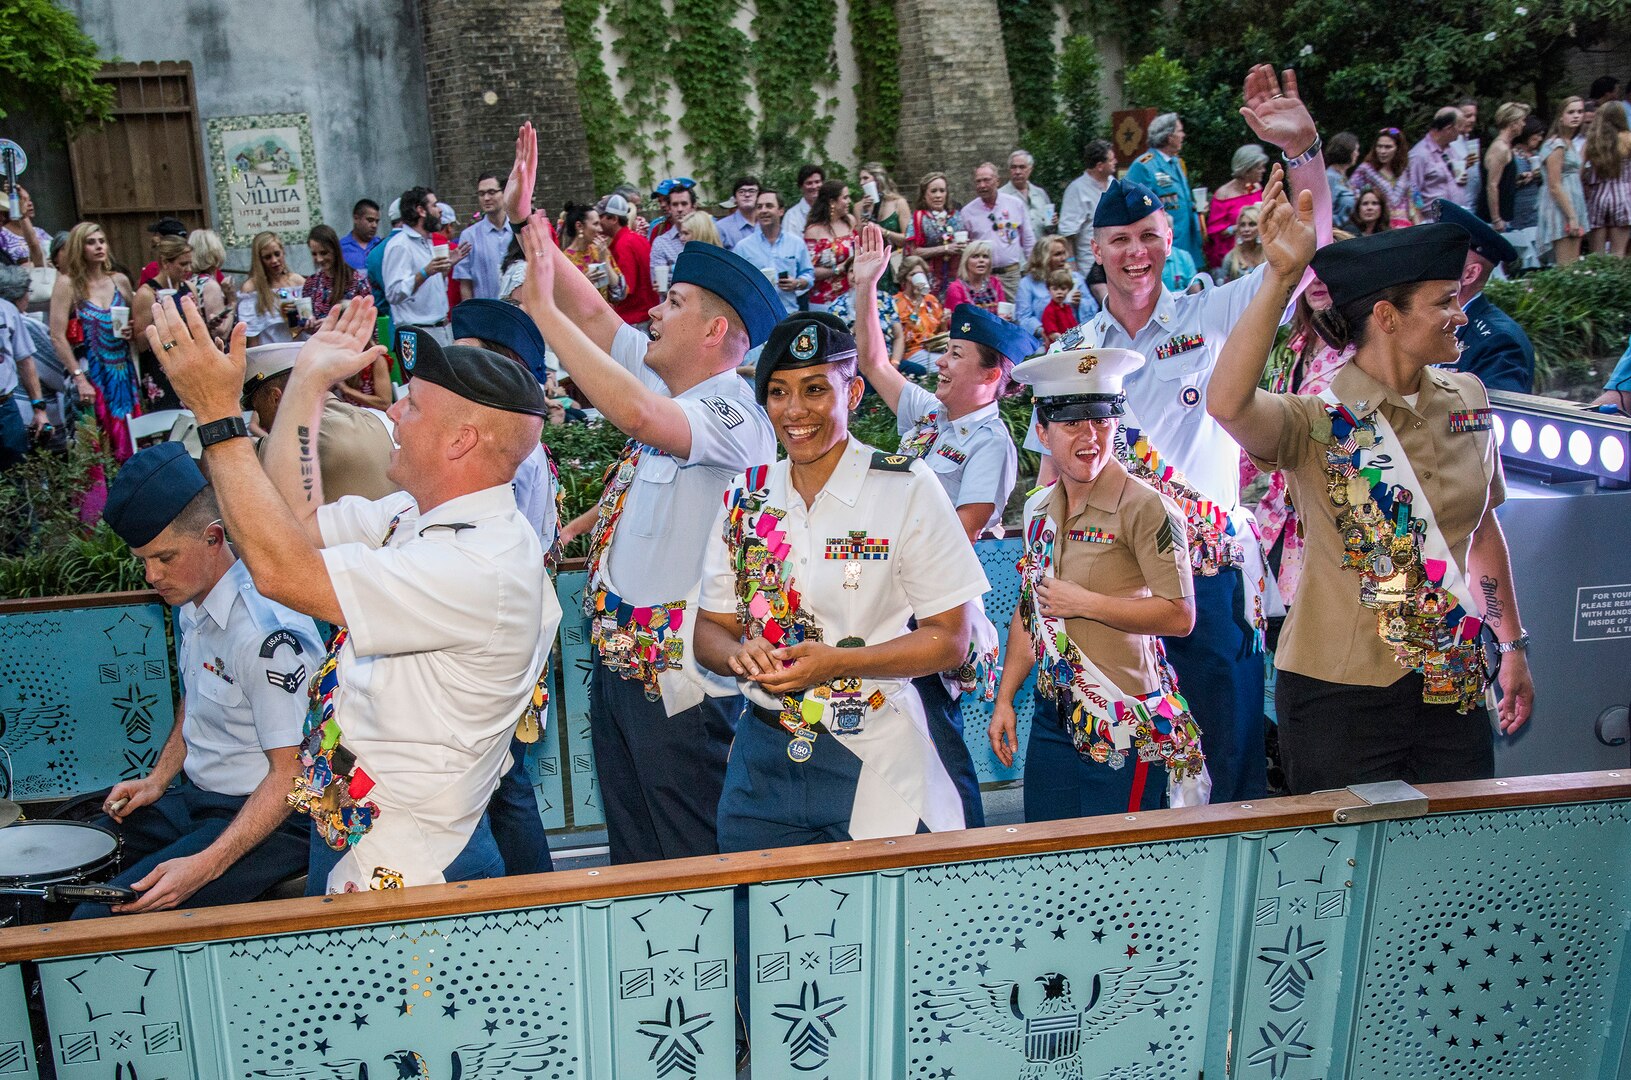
(14, 440)
(479, 859)
(1222, 679)
(772, 801)
(946, 729)
(185, 821)
(660, 775)
(1060, 784)
(512, 813)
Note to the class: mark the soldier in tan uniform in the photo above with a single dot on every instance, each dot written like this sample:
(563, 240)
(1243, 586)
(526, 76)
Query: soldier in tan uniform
(1383, 669)
(1105, 572)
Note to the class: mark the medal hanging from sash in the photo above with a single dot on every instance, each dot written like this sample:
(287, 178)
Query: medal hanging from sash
(331, 787)
(530, 727)
(920, 440)
(619, 475)
(767, 604)
(1104, 724)
(1407, 574)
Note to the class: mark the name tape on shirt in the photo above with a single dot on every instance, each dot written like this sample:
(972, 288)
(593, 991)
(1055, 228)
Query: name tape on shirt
(725, 411)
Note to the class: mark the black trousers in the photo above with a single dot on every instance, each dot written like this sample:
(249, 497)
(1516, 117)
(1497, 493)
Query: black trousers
(1333, 735)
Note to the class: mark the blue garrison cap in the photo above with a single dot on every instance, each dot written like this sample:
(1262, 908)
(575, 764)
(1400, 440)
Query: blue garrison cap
(503, 324)
(734, 280)
(152, 488)
(973, 323)
(1124, 203)
(1485, 240)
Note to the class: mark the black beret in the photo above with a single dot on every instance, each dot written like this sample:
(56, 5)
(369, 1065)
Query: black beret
(477, 375)
(503, 323)
(152, 488)
(1123, 203)
(734, 280)
(1485, 240)
(805, 339)
(1354, 269)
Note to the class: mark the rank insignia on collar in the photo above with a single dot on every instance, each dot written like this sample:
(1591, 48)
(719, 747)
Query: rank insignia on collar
(1471, 420)
(804, 346)
(891, 462)
(1179, 343)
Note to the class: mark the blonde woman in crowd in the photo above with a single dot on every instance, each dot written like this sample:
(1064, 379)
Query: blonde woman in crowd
(267, 304)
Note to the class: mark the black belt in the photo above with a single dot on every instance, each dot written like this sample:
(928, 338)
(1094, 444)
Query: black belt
(772, 718)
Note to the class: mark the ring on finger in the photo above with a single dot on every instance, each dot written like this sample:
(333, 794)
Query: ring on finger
(168, 345)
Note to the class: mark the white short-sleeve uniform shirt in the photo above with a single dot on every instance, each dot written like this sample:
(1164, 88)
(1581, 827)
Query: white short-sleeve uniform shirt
(930, 569)
(450, 623)
(656, 552)
(245, 662)
(973, 456)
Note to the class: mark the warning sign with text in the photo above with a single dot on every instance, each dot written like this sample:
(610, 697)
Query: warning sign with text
(1602, 612)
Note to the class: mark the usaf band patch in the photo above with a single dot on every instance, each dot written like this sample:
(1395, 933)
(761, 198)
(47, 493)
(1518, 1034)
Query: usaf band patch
(276, 638)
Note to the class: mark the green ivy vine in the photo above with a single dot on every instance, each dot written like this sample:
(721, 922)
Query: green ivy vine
(1027, 42)
(875, 40)
(703, 59)
(641, 29)
(607, 126)
(793, 61)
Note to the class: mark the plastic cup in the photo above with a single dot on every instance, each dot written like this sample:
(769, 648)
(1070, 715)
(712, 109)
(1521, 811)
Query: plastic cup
(659, 278)
(440, 251)
(1005, 310)
(303, 305)
(120, 316)
(960, 236)
(769, 272)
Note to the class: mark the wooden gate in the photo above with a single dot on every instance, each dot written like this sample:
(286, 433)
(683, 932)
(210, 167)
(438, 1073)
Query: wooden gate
(147, 162)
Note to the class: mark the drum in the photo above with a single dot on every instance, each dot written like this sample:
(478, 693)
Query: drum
(35, 853)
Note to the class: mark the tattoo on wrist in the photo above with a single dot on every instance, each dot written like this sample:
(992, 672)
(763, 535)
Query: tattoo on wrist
(1493, 610)
(303, 434)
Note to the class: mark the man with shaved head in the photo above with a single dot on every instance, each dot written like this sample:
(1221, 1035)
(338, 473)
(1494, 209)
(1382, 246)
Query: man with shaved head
(443, 612)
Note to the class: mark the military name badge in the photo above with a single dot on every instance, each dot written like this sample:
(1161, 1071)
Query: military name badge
(1471, 420)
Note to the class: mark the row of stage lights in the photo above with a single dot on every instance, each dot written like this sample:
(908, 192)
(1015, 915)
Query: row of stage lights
(1561, 440)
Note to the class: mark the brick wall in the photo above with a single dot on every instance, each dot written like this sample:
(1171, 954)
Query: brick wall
(490, 64)
(957, 109)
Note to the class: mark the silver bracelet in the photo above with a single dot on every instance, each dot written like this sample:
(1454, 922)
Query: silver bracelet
(1519, 642)
(1306, 156)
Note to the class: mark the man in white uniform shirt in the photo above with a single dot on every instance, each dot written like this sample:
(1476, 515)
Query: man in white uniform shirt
(223, 834)
(661, 724)
(441, 589)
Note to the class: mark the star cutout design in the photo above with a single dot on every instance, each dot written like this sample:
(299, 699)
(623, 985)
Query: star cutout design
(1449, 988)
(1546, 959)
(1059, 933)
(1433, 1031)
(360, 1020)
(1280, 1046)
(1471, 933)
(1476, 1044)
(1507, 1007)
(1540, 1003)
(1019, 943)
(982, 968)
(1430, 968)
(450, 1010)
(1462, 963)
(1161, 1011)
(1535, 940)
(1495, 926)
(1452, 1041)
(1098, 936)
(1516, 959)
(1421, 991)
(1500, 1036)
(321, 1046)
(1478, 1019)
(1523, 981)
(405, 1009)
(1518, 928)
(1155, 1048)
(1484, 986)
(946, 1074)
(1490, 951)
(1445, 945)
(1132, 951)
(1523, 1021)
(1421, 1014)
(1546, 980)
(945, 1037)
(491, 1026)
(1455, 1013)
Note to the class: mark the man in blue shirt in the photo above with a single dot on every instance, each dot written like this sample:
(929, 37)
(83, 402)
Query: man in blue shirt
(769, 247)
(487, 240)
(364, 235)
(740, 224)
(1162, 171)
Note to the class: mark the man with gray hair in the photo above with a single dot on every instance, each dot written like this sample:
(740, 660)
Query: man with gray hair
(1162, 171)
(1037, 203)
(17, 367)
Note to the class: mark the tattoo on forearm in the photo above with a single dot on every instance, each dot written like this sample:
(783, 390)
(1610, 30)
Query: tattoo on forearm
(307, 466)
(1492, 602)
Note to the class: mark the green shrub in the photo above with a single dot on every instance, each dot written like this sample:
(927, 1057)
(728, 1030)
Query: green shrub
(1574, 315)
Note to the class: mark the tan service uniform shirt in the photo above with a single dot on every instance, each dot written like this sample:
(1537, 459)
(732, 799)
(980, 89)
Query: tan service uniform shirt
(1149, 556)
(1327, 634)
(353, 450)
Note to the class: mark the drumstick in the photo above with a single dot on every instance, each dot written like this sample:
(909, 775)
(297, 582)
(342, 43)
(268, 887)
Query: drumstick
(118, 804)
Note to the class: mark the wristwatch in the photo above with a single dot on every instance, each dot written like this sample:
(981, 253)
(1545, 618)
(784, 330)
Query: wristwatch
(232, 427)
(1519, 642)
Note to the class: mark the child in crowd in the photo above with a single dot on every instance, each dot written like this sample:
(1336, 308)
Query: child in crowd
(1059, 315)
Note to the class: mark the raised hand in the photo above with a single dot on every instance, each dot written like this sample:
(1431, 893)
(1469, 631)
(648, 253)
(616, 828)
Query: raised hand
(208, 381)
(1286, 233)
(1274, 111)
(537, 292)
(523, 174)
(343, 343)
(871, 258)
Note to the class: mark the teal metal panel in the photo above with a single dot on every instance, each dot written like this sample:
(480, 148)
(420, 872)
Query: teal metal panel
(999, 558)
(118, 1015)
(16, 1042)
(544, 757)
(1493, 948)
(576, 658)
(1048, 966)
(85, 698)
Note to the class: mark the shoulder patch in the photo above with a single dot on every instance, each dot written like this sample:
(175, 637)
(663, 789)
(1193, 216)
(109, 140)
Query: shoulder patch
(1147, 157)
(1166, 536)
(730, 414)
(277, 638)
(289, 682)
(882, 462)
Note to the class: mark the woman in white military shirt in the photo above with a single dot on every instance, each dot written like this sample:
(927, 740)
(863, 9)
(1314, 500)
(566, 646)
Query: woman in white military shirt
(818, 565)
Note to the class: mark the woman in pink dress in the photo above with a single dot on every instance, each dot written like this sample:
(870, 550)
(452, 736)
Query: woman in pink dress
(1243, 190)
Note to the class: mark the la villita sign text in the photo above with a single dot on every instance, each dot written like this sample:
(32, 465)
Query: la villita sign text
(265, 176)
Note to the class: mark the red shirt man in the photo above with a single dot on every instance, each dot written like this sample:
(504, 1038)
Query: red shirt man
(632, 253)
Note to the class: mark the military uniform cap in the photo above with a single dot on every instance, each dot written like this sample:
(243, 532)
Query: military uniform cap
(970, 322)
(1125, 203)
(152, 488)
(265, 362)
(505, 324)
(734, 280)
(805, 339)
(1485, 240)
(1079, 384)
(477, 375)
(1355, 269)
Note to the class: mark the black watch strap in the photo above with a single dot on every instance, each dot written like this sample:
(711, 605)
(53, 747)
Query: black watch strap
(231, 427)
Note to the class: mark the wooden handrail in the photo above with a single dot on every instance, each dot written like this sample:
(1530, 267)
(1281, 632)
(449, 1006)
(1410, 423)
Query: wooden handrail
(83, 600)
(237, 921)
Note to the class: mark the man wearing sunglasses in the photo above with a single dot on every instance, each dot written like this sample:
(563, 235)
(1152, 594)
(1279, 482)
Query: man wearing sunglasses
(222, 833)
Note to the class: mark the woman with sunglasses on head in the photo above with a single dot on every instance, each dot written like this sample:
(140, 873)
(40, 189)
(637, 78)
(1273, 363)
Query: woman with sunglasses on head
(1393, 467)
(1384, 169)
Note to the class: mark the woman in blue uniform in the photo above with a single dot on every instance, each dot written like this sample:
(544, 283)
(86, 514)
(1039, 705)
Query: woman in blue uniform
(811, 583)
